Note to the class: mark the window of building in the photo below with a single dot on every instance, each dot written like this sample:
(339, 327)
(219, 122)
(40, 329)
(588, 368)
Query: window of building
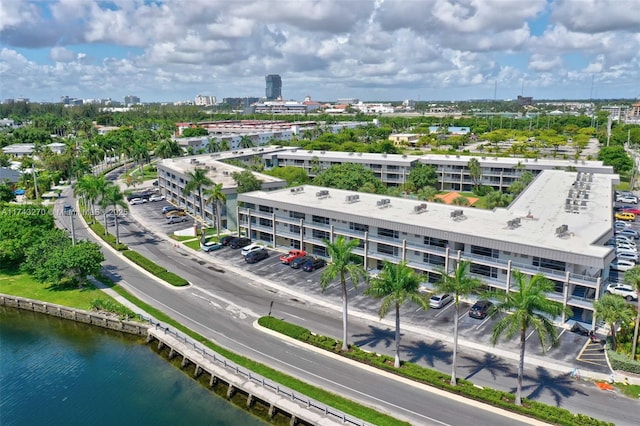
(484, 270)
(265, 222)
(319, 250)
(320, 219)
(390, 233)
(321, 235)
(387, 249)
(265, 209)
(358, 227)
(485, 251)
(549, 264)
(430, 241)
(433, 259)
(296, 215)
(294, 228)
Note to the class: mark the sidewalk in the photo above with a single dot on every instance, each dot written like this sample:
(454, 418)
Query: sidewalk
(530, 360)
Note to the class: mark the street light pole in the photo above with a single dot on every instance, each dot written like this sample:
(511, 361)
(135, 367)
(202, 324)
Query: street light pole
(73, 228)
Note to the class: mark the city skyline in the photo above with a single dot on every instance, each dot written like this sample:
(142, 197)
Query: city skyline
(382, 50)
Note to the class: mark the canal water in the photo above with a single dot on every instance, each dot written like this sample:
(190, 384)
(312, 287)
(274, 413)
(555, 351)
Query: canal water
(59, 372)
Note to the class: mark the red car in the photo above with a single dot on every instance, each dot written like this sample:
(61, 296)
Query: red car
(293, 254)
(634, 211)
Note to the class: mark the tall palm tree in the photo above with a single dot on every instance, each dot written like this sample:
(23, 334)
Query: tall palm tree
(475, 172)
(246, 142)
(613, 310)
(113, 197)
(89, 187)
(167, 148)
(458, 283)
(526, 307)
(197, 179)
(217, 197)
(632, 277)
(396, 285)
(213, 146)
(343, 263)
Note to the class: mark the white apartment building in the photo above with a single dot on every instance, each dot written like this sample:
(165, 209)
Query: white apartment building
(453, 172)
(205, 100)
(173, 176)
(556, 227)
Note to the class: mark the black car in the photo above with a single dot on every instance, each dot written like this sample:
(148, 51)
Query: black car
(226, 240)
(134, 195)
(256, 256)
(237, 243)
(299, 261)
(313, 264)
(480, 309)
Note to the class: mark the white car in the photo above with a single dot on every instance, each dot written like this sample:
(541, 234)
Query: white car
(624, 290)
(438, 301)
(622, 265)
(251, 247)
(625, 245)
(627, 256)
(620, 224)
(156, 197)
(627, 199)
(135, 201)
(625, 251)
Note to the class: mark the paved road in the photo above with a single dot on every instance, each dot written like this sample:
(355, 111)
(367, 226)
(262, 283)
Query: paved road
(222, 306)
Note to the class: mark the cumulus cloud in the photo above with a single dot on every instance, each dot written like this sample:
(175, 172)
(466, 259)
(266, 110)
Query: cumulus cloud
(327, 48)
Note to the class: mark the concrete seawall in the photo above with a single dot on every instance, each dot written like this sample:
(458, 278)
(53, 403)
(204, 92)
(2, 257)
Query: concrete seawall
(73, 314)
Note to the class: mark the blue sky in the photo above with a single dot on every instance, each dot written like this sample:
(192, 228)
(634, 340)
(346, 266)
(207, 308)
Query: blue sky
(327, 49)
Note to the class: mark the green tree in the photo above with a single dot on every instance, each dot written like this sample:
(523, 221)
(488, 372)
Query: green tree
(6, 193)
(497, 199)
(459, 284)
(616, 157)
(396, 285)
(89, 188)
(632, 277)
(246, 181)
(114, 198)
(216, 196)
(427, 193)
(343, 263)
(246, 142)
(167, 148)
(294, 176)
(460, 201)
(196, 180)
(526, 306)
(191, 132)
(475, 171)
(349, 176)
(19, 231)
(422, 175)
(612, 309)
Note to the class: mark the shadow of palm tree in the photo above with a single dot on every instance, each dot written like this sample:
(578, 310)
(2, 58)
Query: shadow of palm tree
(376, 337)
(428, 353)
(559, 387)
(489, 362)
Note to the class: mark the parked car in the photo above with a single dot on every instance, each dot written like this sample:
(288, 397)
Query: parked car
(626, 250)
(626, 245)
(627, 232)
(480, 309)
(624, 290)
(312, 265)
(226, 240)
(299, 261)
(211, 246)
(632, 199)
(627, 256)
(175, 213)
(626, 238)
(633, 210)
(239, 243)
(620, 239)
(156, 197)
(248, 249)
(167, 209)
(134, 195)
(622, 265)
(625, 216)
(176, 219)
(286, 258)
(135, 201)
(438, 301)
(620, 224)
(256, 255)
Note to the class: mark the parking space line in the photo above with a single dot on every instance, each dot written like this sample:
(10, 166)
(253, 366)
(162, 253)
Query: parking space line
(559, 336)
(443, 310)
(464, 314)
(530, 334)
(484, 322)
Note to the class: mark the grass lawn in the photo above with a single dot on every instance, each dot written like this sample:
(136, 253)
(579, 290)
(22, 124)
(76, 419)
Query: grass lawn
(16, 283)
(193, 244)
(182, 237)
(632, 391)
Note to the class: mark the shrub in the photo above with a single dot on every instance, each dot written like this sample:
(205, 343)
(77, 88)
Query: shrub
(111, 306)
(173, 279)
(621, 362)
(142, 261)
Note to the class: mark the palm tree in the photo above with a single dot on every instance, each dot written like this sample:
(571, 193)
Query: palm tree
(213, 146)
(632, 277)
(613, 310)
(343, 263)
(475, 172)
(396, 285)
(246, 142)
(526, 306)
(113, 197)
(197, 179)
(458, 283)
(90, 188)
(167, 148)
(215, 196)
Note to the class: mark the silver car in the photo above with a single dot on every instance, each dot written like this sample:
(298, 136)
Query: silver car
(438, 301)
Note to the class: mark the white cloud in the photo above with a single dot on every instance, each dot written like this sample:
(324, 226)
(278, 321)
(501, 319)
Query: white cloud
(62, 54)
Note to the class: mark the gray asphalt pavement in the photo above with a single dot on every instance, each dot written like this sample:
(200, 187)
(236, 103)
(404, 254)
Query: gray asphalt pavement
(227, 295)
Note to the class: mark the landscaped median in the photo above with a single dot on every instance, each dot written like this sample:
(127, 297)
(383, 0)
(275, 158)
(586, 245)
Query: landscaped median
(504, 400)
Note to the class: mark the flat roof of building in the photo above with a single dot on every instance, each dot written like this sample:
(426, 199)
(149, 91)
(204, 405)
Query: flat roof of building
(489, 161)
(540, 210)
(356, 157)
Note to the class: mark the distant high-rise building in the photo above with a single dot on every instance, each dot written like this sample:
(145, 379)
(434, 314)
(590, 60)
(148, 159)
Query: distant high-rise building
(274, 87)
(131, 100)
(204, 100)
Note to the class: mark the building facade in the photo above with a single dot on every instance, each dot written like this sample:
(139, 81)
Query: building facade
(537, 234)
(273, 90)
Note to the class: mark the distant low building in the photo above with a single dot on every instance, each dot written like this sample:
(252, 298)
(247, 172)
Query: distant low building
(452, 130)
(410, 139)
(9, 175)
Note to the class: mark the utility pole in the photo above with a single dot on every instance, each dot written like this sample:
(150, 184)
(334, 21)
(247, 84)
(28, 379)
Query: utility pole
(73, 227)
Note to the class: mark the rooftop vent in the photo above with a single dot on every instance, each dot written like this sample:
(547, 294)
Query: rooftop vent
(352, 198)
(562, 230)
(421, 208)
(514, 223)
(384, 203)
(297, 190)
(322, 194)
(457, 215)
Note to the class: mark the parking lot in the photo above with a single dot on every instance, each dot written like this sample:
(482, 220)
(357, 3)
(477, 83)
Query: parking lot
(439, 320)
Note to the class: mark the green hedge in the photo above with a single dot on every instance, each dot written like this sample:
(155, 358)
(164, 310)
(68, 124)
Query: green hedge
(155, 269)
(621, 362)
(109, 239)
(505, 400)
